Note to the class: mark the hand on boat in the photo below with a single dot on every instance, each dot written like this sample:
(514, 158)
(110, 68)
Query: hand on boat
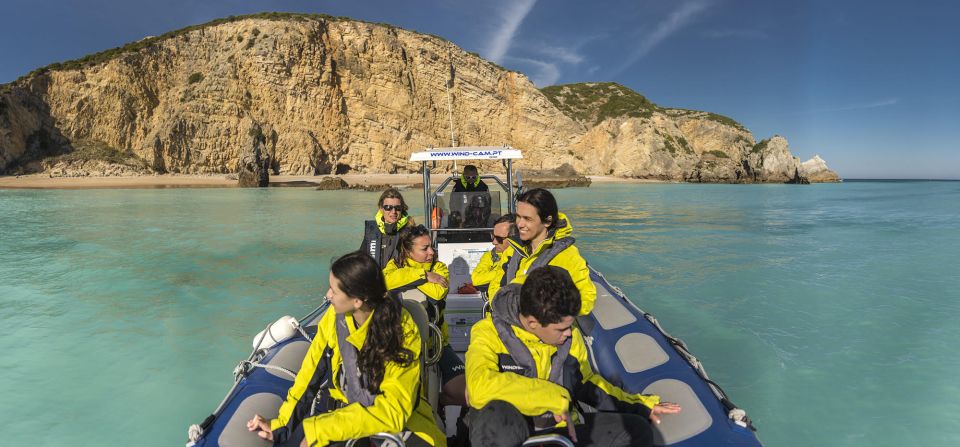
(261, 426)
(437, 279)
(663, 408)
(565, 417)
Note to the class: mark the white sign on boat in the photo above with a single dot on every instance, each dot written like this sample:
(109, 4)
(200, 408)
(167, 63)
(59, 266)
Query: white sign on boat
(467, 153)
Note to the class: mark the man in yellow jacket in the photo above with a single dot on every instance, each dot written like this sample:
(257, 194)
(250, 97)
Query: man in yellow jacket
(493, 261)
(527, 369)
(546, 238)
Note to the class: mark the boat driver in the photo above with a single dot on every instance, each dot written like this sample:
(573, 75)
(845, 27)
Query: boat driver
(470, 181)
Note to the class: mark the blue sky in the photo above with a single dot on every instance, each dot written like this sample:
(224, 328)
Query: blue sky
(871, 86)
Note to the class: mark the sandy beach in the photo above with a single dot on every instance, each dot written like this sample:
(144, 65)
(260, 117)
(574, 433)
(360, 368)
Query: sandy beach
(43, 181)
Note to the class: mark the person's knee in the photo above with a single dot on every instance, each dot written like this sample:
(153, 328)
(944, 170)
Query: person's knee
(498, 423)
(638, 431)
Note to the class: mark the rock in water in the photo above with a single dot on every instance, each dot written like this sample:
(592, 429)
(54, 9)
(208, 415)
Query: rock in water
(332, 184)
(816, 170)
(253, 170)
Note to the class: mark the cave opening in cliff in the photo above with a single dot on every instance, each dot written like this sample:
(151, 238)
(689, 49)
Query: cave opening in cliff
(342, 169)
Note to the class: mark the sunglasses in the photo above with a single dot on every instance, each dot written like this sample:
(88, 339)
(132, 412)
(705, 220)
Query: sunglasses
(392, 207)
(470, 177)
(499, 239)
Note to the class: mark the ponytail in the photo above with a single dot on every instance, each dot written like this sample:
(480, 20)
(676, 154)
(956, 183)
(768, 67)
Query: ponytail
(361, 278)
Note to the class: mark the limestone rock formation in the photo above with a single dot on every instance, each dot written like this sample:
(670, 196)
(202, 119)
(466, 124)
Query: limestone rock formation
(253, 170)
(772, 161)
(336, 96)
(817, 171)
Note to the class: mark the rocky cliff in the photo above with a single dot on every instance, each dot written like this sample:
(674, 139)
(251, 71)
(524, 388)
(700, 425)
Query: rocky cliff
(334, 95)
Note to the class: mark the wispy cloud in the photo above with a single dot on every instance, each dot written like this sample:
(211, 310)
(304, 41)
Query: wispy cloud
(670, 25)
(547, 73)
(736, 33)
(512, 16)
(562, 54)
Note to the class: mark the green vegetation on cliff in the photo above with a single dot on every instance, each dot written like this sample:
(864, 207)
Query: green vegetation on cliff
(107, 55)
(759, 147)
(589, 103)
(592, 102)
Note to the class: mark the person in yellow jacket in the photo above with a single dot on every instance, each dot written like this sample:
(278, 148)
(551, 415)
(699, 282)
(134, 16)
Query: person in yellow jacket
(545, 239)
(380, 234)
(493, 261)
(363, 363)
(416, 267)
(527, 369)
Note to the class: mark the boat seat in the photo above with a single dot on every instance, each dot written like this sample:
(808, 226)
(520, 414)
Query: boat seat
(290, 357)
(430, 373)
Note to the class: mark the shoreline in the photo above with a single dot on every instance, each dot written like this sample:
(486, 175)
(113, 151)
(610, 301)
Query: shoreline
(43, 181)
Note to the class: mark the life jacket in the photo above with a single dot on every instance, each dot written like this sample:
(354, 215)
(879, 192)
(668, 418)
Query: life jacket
(351, 380)
(506, 312)
(463, 182)
(544, 258)
(380, 240)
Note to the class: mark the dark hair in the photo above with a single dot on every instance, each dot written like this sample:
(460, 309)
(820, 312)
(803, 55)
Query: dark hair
(393, 193)
(511, 219)
(549, 295)
(405, 242)
(470, 168)
(543, 201)
(361, 278)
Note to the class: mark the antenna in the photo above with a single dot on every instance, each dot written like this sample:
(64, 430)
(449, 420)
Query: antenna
(449, 85)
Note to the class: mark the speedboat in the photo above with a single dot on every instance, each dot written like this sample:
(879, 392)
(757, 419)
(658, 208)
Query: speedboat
(627, 345)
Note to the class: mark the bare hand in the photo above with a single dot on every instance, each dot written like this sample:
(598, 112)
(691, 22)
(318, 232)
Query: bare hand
(437, 279)
(663, 408)
(261, 426)
(565, 417)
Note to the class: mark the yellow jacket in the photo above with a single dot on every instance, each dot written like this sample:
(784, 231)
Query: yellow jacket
(493, 375)
(401, 404)
(569, 259)
(414, 276)
(487, 269)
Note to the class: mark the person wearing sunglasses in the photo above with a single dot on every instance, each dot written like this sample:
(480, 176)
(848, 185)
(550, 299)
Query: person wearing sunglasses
(416, 267)
(470, 181)
(492, 261)
(380, 234)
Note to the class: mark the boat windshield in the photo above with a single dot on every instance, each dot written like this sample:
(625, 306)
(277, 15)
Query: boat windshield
(460, 212)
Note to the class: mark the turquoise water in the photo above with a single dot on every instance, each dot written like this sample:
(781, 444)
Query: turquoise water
(829, 312)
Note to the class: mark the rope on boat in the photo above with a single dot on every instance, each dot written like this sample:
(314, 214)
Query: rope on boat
(246, 365)
(736, 414)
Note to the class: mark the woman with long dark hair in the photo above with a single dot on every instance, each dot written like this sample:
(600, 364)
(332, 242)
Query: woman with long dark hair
(415, 267)
(363, 363)
(546, 238)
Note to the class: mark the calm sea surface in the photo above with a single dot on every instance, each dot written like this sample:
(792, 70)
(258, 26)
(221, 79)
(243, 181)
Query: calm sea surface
(831, 313)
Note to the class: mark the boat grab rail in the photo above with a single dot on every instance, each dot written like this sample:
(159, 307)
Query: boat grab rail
(383, 437)
(734, 413)
(196, 431)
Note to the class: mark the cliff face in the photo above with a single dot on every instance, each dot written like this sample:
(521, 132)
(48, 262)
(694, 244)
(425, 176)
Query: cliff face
(336, 96)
